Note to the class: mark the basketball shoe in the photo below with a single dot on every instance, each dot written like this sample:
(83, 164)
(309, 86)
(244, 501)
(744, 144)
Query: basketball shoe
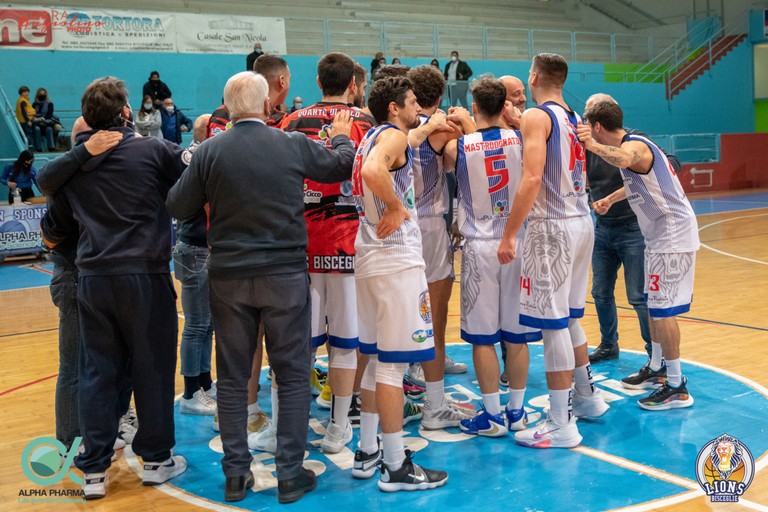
(354, 409)
(315, 386)
(548, 434)
(645, 378)
(667, 397)
(448, 414)
(95, 485)
(265, 440)
(156, 473)
(416, 374)
(336, 437)
(517, 419)
(365, 465)
(453, 368)
(412, 390)
(411, 411)
(410, 477)
(324, 398)
(592, 406)
(129, 424)
(485, 424)
(257, 422)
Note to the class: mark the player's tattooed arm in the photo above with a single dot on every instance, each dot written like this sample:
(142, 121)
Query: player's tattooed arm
(437, 122)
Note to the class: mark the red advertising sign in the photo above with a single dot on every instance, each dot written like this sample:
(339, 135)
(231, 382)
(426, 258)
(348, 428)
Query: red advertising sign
(25, 28)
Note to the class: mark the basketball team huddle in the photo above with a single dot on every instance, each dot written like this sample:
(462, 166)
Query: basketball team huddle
(380, 261)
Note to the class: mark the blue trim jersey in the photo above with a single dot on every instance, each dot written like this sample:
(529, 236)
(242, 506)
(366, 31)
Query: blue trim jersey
(429, 184)
(664, 214)
(563, 192)
(488, 171)
(402, 249)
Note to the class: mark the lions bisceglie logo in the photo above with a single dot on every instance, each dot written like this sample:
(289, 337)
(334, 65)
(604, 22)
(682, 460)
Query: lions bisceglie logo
(724, 468)
(425, 308)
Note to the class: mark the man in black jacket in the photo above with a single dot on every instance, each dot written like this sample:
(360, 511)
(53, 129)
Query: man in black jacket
(253, 179)
(618, 241)
(126, 299)
(457, 73)
(156, 89)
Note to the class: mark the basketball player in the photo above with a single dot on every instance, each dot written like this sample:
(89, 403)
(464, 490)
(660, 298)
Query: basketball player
(431, 197)
(555, 253)
(392, 294)
(332, 224)
(488, 171)
(671, 237)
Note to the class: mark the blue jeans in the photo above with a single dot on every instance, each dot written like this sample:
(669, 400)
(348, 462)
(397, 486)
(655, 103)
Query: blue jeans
(617, 245)
(64, 295)
(282, 303)
(191, 269)
(44, 142)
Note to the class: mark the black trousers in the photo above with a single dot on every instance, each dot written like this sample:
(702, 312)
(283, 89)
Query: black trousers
(126, 319)
(282, 303)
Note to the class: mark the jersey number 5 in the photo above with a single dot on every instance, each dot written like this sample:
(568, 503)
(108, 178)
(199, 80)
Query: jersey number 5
(499, 171)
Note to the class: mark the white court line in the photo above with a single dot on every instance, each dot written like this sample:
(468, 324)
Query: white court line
(727, 253)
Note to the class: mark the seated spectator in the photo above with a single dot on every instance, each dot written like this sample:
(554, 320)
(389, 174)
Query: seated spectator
(298, 104)
(376, 62)
(20, 174)
(25, 113)
(156, 89)
(395, 60)
(174, 122)
(148, 120)
(44, 122)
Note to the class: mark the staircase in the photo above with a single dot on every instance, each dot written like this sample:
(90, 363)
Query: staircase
(690, 71)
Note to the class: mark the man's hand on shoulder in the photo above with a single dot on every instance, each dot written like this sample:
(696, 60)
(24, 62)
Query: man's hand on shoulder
(341, 124)
(102, 141)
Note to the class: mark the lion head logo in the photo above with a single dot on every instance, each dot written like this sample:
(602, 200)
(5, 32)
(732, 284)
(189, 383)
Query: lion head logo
(546, 257)
(671, 268)
(726, 455)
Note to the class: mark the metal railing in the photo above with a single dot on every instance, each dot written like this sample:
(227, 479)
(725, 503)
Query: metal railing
(691, 147)
(307, 36)
(9, 114)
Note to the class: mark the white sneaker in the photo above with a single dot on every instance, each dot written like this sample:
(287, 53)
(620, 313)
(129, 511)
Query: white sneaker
(592, 406)
(156, 473)
(416, 373)
(548, 434)
(200, 404)
(336, 437)
(95, 485)
(119, 444)
(129, 424)
(447, 415)
(264, 441)
(212, 392)
(452, 367)
(257, 422)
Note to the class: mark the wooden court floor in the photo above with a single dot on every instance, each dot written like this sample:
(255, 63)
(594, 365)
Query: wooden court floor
(726, 328)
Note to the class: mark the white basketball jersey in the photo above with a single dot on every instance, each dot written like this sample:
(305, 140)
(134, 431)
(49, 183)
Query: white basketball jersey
(563, 192)
(429, 184)
(400, 250)
(488, 170)
(664, 214)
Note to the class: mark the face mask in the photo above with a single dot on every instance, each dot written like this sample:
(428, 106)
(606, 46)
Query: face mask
(298, 105)
(454, 58)
(147, 106)
(42, 97)
(169, 109)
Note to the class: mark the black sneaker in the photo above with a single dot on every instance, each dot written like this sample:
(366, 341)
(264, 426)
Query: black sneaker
(410, 477)
(236, 487)
(322, 375)
(645, 378)
(365, 465)
(295, 488)
(354, 409)
(667, 397)
(604, 353)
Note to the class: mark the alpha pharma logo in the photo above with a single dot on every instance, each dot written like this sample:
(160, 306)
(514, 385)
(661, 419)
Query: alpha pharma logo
(724, 469)
(46, 461)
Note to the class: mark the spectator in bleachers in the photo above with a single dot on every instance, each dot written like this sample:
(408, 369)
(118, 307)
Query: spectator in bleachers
(20, 174)
(375, 63)
(435, 63)
(173, 121)
(395, 61)
(156, 89)
(251, 58)
(298, 104)
(25, 113)
(148, 121)
(457, 72)
(44, 122)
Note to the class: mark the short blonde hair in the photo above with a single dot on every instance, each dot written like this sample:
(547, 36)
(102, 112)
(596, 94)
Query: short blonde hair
(245, 93)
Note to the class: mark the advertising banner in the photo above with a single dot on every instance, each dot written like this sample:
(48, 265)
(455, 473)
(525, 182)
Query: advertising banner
(20, 229)
(198, 33)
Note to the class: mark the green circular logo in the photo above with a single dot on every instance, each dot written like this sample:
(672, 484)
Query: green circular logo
(46, 461)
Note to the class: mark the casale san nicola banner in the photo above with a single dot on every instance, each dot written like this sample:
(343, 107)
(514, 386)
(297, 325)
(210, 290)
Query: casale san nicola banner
(109, 30)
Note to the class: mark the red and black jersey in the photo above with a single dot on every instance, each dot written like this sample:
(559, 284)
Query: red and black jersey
(329, 209)
(218, 122)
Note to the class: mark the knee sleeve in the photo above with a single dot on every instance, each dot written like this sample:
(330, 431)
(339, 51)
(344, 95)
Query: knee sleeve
(578, 338)
(558, 351)
(343, 358)
(368, 382)
(390, 374)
